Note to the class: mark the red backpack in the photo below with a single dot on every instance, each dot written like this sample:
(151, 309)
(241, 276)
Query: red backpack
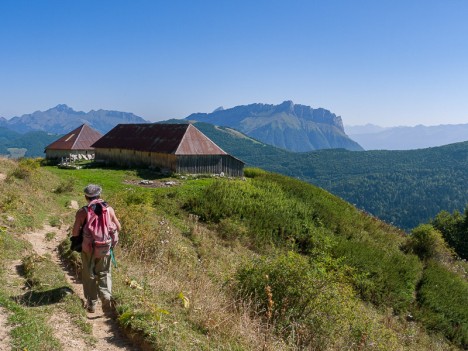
(97, 233)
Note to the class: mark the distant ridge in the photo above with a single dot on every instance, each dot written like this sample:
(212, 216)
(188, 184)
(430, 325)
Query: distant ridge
(62, 118)
(372, 137)
(289, 126)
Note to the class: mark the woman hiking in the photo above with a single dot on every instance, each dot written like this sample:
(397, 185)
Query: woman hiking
(99, 226)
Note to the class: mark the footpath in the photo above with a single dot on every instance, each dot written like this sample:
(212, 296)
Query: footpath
(106, 334)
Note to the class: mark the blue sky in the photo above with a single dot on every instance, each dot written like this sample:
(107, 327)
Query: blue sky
(384, 62)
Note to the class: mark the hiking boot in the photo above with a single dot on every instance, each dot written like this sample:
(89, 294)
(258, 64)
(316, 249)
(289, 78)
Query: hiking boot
(108, 307)
(91, 307)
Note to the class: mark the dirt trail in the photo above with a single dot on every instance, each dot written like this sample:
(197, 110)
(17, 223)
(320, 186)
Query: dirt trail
(2, 177)
(105, 330)
(13, 280)
(4, 329)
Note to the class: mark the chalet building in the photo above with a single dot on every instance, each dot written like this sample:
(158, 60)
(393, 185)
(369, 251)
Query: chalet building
(181, 148)
(74, 145)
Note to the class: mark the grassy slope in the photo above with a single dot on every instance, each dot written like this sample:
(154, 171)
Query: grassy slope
(387, 184)
(26, 202)
(269, 262)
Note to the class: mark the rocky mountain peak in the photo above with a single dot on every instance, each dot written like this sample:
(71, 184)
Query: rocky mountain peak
(63, 108)
(286, 106)
(290, 126)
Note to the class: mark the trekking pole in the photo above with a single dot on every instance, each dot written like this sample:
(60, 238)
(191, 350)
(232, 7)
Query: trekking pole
(114, 262)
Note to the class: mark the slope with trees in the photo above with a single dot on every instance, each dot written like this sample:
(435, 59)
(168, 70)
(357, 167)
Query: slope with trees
(405, 188)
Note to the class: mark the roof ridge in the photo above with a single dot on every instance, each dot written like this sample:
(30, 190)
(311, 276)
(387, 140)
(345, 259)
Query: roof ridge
(78, 136)
(182, 139)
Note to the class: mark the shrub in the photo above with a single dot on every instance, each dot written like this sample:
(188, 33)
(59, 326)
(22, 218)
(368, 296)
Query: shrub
(9, 200)
(254, 172)
(303, 301)
(454, 229)
(443, 301)
(25, 169)
(139, 234)
(383, 277)
(271, 215)
(231, 230)
(65, 186)
(427, 242)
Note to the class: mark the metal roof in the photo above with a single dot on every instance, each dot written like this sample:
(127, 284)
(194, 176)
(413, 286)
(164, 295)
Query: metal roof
(178, 139)
(80, 138)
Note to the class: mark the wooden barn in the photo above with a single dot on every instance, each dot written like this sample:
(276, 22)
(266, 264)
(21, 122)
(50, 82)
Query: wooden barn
(181, 148)
(74, 145)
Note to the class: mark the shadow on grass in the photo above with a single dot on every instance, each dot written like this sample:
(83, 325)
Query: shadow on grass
(144, 173)
(42, 298)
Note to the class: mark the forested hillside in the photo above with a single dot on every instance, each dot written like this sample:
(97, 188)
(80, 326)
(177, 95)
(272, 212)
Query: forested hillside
(33, 142)
(405, 188)
(262, 263)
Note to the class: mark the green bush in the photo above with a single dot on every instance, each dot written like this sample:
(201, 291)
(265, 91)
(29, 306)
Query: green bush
(303, 301)
(427, 242)
(383, 277)
(443, 303)
(231, 230)
(65, 186)
(454, 228)
(25, 169)
(254, 172)
(271, 215)
(9, 201)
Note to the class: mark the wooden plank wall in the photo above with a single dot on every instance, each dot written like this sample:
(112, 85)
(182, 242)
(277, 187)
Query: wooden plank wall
(186, 164)
(210, 164)
(127, 158)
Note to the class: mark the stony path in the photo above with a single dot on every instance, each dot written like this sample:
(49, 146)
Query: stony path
(105, 330)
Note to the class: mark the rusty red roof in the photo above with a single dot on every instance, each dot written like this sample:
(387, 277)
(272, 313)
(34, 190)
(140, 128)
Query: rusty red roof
(178, 139)
(80, 138)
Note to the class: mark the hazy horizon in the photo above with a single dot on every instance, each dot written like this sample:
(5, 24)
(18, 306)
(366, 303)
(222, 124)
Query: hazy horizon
(346, 125)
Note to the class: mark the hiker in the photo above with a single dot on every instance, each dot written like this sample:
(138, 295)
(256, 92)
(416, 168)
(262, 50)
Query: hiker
(99, 226)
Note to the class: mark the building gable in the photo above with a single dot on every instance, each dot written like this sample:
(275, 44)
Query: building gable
(80, 138)
(195, 142)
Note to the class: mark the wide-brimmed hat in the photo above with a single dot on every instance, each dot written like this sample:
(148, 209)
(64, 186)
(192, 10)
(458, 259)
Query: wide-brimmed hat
(92, 190)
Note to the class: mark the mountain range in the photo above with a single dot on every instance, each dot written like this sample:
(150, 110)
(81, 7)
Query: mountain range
(372, 137)
(61, 119)
(289, 126)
